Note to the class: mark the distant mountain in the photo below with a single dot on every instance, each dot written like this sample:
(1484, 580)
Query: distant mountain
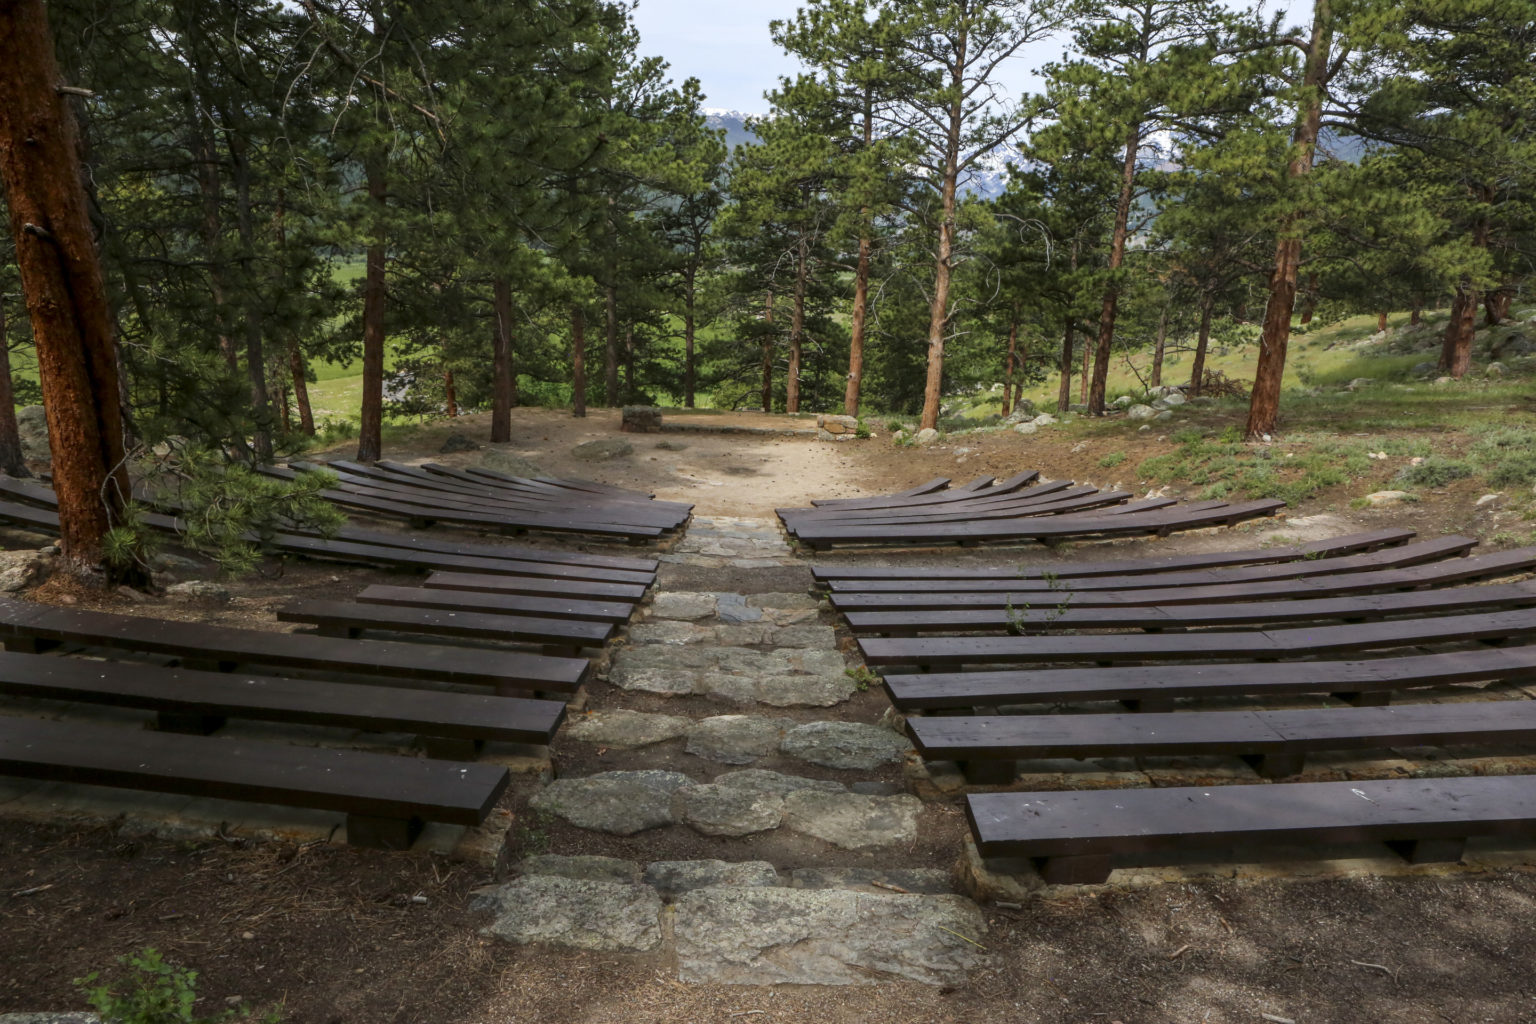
(735, 124)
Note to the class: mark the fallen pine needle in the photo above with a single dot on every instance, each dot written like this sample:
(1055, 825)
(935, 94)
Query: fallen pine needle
(1180, 951)
(746, 1013)
(966, 938)
(1376, 967)
(892, 888)
(1276, 1020)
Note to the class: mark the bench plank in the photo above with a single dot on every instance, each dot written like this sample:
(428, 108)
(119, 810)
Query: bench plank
(352, 617)
(550, 607)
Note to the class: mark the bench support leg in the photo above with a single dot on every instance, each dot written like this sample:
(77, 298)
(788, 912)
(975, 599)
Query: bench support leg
(188, 722)
(443, 748)
(1366, 698)
(989, 772)
(1429, 851)
(382, 833)
(29, 644)
(1088, 869)
(1275, 766)
(1151, 705)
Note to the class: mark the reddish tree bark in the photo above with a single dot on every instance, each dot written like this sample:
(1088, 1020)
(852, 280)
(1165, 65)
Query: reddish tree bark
(611, 344)
(1264, 405)
(1496, 305)
(370, 441)
(1381, 321)
(1095, 396)
(1064, 395)
(629, 361)
(1083, 377)
(578, 363)
(1309, 302)
(12, 461)
(503, 380)
(1013, 344)
(1456, 349)
(1416, 316)
(938, 310)
(450, 395)
(768, 356)
(796, 328)
(690, 376)
(860, 285)
(300, 374)
(1157, 351)
(1202, 342)
(65, 292)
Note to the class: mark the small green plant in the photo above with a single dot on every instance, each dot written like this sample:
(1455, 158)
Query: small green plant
(862, 677)
(532, 836)
(1435, 471)
(153, 991)
(1508, 456)
(862, 431)
(1112, 460)
(894, 425)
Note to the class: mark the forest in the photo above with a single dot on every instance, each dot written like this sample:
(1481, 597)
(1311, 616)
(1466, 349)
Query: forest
(495, 204)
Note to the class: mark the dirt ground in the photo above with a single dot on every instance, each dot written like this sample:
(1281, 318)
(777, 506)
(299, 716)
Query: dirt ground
(330, 934)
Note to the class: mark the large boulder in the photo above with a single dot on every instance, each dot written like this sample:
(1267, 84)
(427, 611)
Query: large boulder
(603, 449)
(458, 443)
(1140, 413)
(32, 423)
(836, 428)
(640, 419)
(501, 459)
(927, 435)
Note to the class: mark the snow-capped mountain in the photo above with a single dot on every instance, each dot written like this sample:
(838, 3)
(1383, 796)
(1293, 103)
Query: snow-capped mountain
(733, 121)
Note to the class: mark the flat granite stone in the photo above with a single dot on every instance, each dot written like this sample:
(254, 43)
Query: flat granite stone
(767, 936)
(736, 613)
(762, 780)
(670, 877)
(809, 691)
(619, 803)
(846, 745)
(670, 631)
(46, 1017)
(736, 739)
(574, 913)
(657, 668)
(682, 604)
(626, 730)
(851, 820)
(805, 635)
(716, 810)
(787, 601)
(584, 868)
(931, 881)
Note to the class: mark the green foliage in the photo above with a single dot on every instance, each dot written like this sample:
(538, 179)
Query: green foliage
(1112, 460)
(1435, 471)
(863, 678)
(1507, 455)
(153, 991)
(1223, 468)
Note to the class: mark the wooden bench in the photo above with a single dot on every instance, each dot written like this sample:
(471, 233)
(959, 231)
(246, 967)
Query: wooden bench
(351, 618)
(1258, 644)
(405, 558)
(385, 798)
(1275, 743)
(491, 583)
(30, 627)
(186, 700)
(549, 607)
(1075, 837)
(1043, 616)
(1073, 569)
(1151, 688)
(936, 491)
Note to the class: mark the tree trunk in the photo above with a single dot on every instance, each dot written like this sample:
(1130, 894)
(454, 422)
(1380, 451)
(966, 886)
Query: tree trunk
(629, 361)
(1202, 342)
(1087, 369)
(1116, 256)
(768, 356)
(1416, 315)
(12, 461)
(255, 359)
(1264, 405)
(450, 396)
(300, 376)
(1157, 351)
(211, 194)
(62, 279)
(1064, 395)
(938, 310)
(689, 378)
(1381, 321)
(1496, 305)
(1456, 350)
(796, 329)
(860, 284)
(502, 377)
(578, 364)
(370, 440)
(1013, 345)
(1309, 302)
(611, 346)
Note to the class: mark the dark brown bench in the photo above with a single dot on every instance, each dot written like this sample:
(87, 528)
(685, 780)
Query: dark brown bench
(1073, 569)
(492, 583)
(186, 700)
(385, 798)
(1153, 688)
(1275, 743)
(406, 558)
(1076, 837)
(549, 607)
(945, 503)
(1044, 616)
(28, 628)
(934, 491)
(351, 618)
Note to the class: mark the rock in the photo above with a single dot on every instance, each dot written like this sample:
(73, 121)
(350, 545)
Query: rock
(737, 739)
(810, 691)
(1442, 381)
(1358, 383)
(1026, 428)
(926, 436)
(806, 634)
(1124, 400)
(22, 569)
(603, 449)
(682, 604)
(657, 668)
(32, 425)
(619, 803)
(670, 631)
(848, 745)
(921, 880)
(574, 914)
(640, 419)
(670, 446)
(733, 609)
(626, 730)
(1380, 498)
(198, 592)
(853, 821)
(49, 1017)
(792, 602)
(1160, 404)
(1140, 413)
(671, 877)
(1025, 410)
(131, 595)
(901, 436)
(584, 868)
(762, 780)
(165, 560)
(1488, 499)
(717, 810)
(1013, 879)
(766, 936)
(458, 443)
(1045, 419)
(503, 460)
(1423, 369)
(1165, 414)
(836, 428)
(1494, 370)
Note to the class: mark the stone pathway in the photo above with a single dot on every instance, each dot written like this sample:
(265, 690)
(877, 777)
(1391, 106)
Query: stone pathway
(768, 764)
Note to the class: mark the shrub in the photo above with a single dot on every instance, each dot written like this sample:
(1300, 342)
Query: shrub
(1508, 456)
(1435, 471)
(151, 991)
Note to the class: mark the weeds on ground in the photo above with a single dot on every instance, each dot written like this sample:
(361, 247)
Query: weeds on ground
(152, 991)
(1507, 455)
(1436, 471)
(862, 677)
(1112, 460)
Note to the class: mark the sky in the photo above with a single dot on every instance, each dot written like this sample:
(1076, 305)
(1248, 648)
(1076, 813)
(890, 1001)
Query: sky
(727, 48)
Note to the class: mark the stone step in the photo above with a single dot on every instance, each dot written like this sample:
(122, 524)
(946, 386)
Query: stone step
(729, 542)
(745, 922)
(738, 803)
(726, 608)
(744, 739)
(782, 677)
